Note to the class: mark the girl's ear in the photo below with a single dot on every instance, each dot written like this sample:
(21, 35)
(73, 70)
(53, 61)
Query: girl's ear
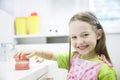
(99, 34)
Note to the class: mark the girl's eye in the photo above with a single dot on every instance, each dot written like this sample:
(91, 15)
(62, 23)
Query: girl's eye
(85, 35)
(73, 37)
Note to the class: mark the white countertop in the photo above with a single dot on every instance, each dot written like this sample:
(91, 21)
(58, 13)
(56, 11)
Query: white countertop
(8, 72)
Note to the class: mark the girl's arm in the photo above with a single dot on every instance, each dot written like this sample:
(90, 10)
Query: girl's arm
(44, 54)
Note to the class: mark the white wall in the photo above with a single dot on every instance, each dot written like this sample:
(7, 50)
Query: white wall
(53, 13)
(6, 27)
(113, 45)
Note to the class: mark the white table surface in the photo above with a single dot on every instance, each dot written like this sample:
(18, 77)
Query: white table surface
(8, 72)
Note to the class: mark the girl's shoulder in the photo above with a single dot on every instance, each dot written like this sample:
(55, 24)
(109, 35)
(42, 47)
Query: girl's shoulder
(105, 68)
(107, 73)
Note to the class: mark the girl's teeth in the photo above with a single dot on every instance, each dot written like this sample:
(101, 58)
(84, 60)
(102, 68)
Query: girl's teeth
(82, 47)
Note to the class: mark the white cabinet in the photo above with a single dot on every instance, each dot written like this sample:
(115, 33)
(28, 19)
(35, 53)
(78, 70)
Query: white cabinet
(44, 77)
(36, 71)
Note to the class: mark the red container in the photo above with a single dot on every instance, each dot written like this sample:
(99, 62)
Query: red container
(22, 64)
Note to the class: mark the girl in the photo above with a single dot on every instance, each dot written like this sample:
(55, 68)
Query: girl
(90, 61)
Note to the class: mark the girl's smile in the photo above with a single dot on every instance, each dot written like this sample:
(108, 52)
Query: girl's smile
(83, 47)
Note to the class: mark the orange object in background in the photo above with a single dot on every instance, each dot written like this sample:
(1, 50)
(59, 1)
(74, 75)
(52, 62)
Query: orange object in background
(22, 64)
(20, 26)
(33, 23)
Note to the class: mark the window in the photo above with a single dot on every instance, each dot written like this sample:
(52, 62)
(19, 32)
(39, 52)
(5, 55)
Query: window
(108, 13)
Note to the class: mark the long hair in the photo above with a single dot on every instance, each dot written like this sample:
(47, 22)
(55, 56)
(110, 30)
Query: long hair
(92, 20)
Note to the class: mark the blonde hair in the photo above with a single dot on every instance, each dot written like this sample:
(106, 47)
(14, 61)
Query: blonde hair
(92, 20)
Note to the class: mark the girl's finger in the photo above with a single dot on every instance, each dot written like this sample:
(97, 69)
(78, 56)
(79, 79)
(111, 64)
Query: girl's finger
(31, 54)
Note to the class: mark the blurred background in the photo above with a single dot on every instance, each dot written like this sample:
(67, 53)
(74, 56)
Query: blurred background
(43, 24)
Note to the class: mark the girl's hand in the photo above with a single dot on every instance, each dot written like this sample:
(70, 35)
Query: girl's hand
(22, 54)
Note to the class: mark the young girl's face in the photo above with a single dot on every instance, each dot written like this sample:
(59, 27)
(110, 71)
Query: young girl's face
(83, 37)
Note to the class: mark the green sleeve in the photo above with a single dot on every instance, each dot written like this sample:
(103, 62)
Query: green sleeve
(62, 60)
(107, 73)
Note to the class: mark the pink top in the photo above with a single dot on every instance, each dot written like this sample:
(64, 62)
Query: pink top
(83, 69)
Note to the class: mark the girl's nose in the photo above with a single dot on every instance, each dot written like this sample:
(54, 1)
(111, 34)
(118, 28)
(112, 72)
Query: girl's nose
(80, 41)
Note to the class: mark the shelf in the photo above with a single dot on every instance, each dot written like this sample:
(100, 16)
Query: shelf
(37, 35)
(39, 38)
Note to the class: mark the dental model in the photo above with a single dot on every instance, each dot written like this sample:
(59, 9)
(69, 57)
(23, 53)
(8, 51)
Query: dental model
(22, 64)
